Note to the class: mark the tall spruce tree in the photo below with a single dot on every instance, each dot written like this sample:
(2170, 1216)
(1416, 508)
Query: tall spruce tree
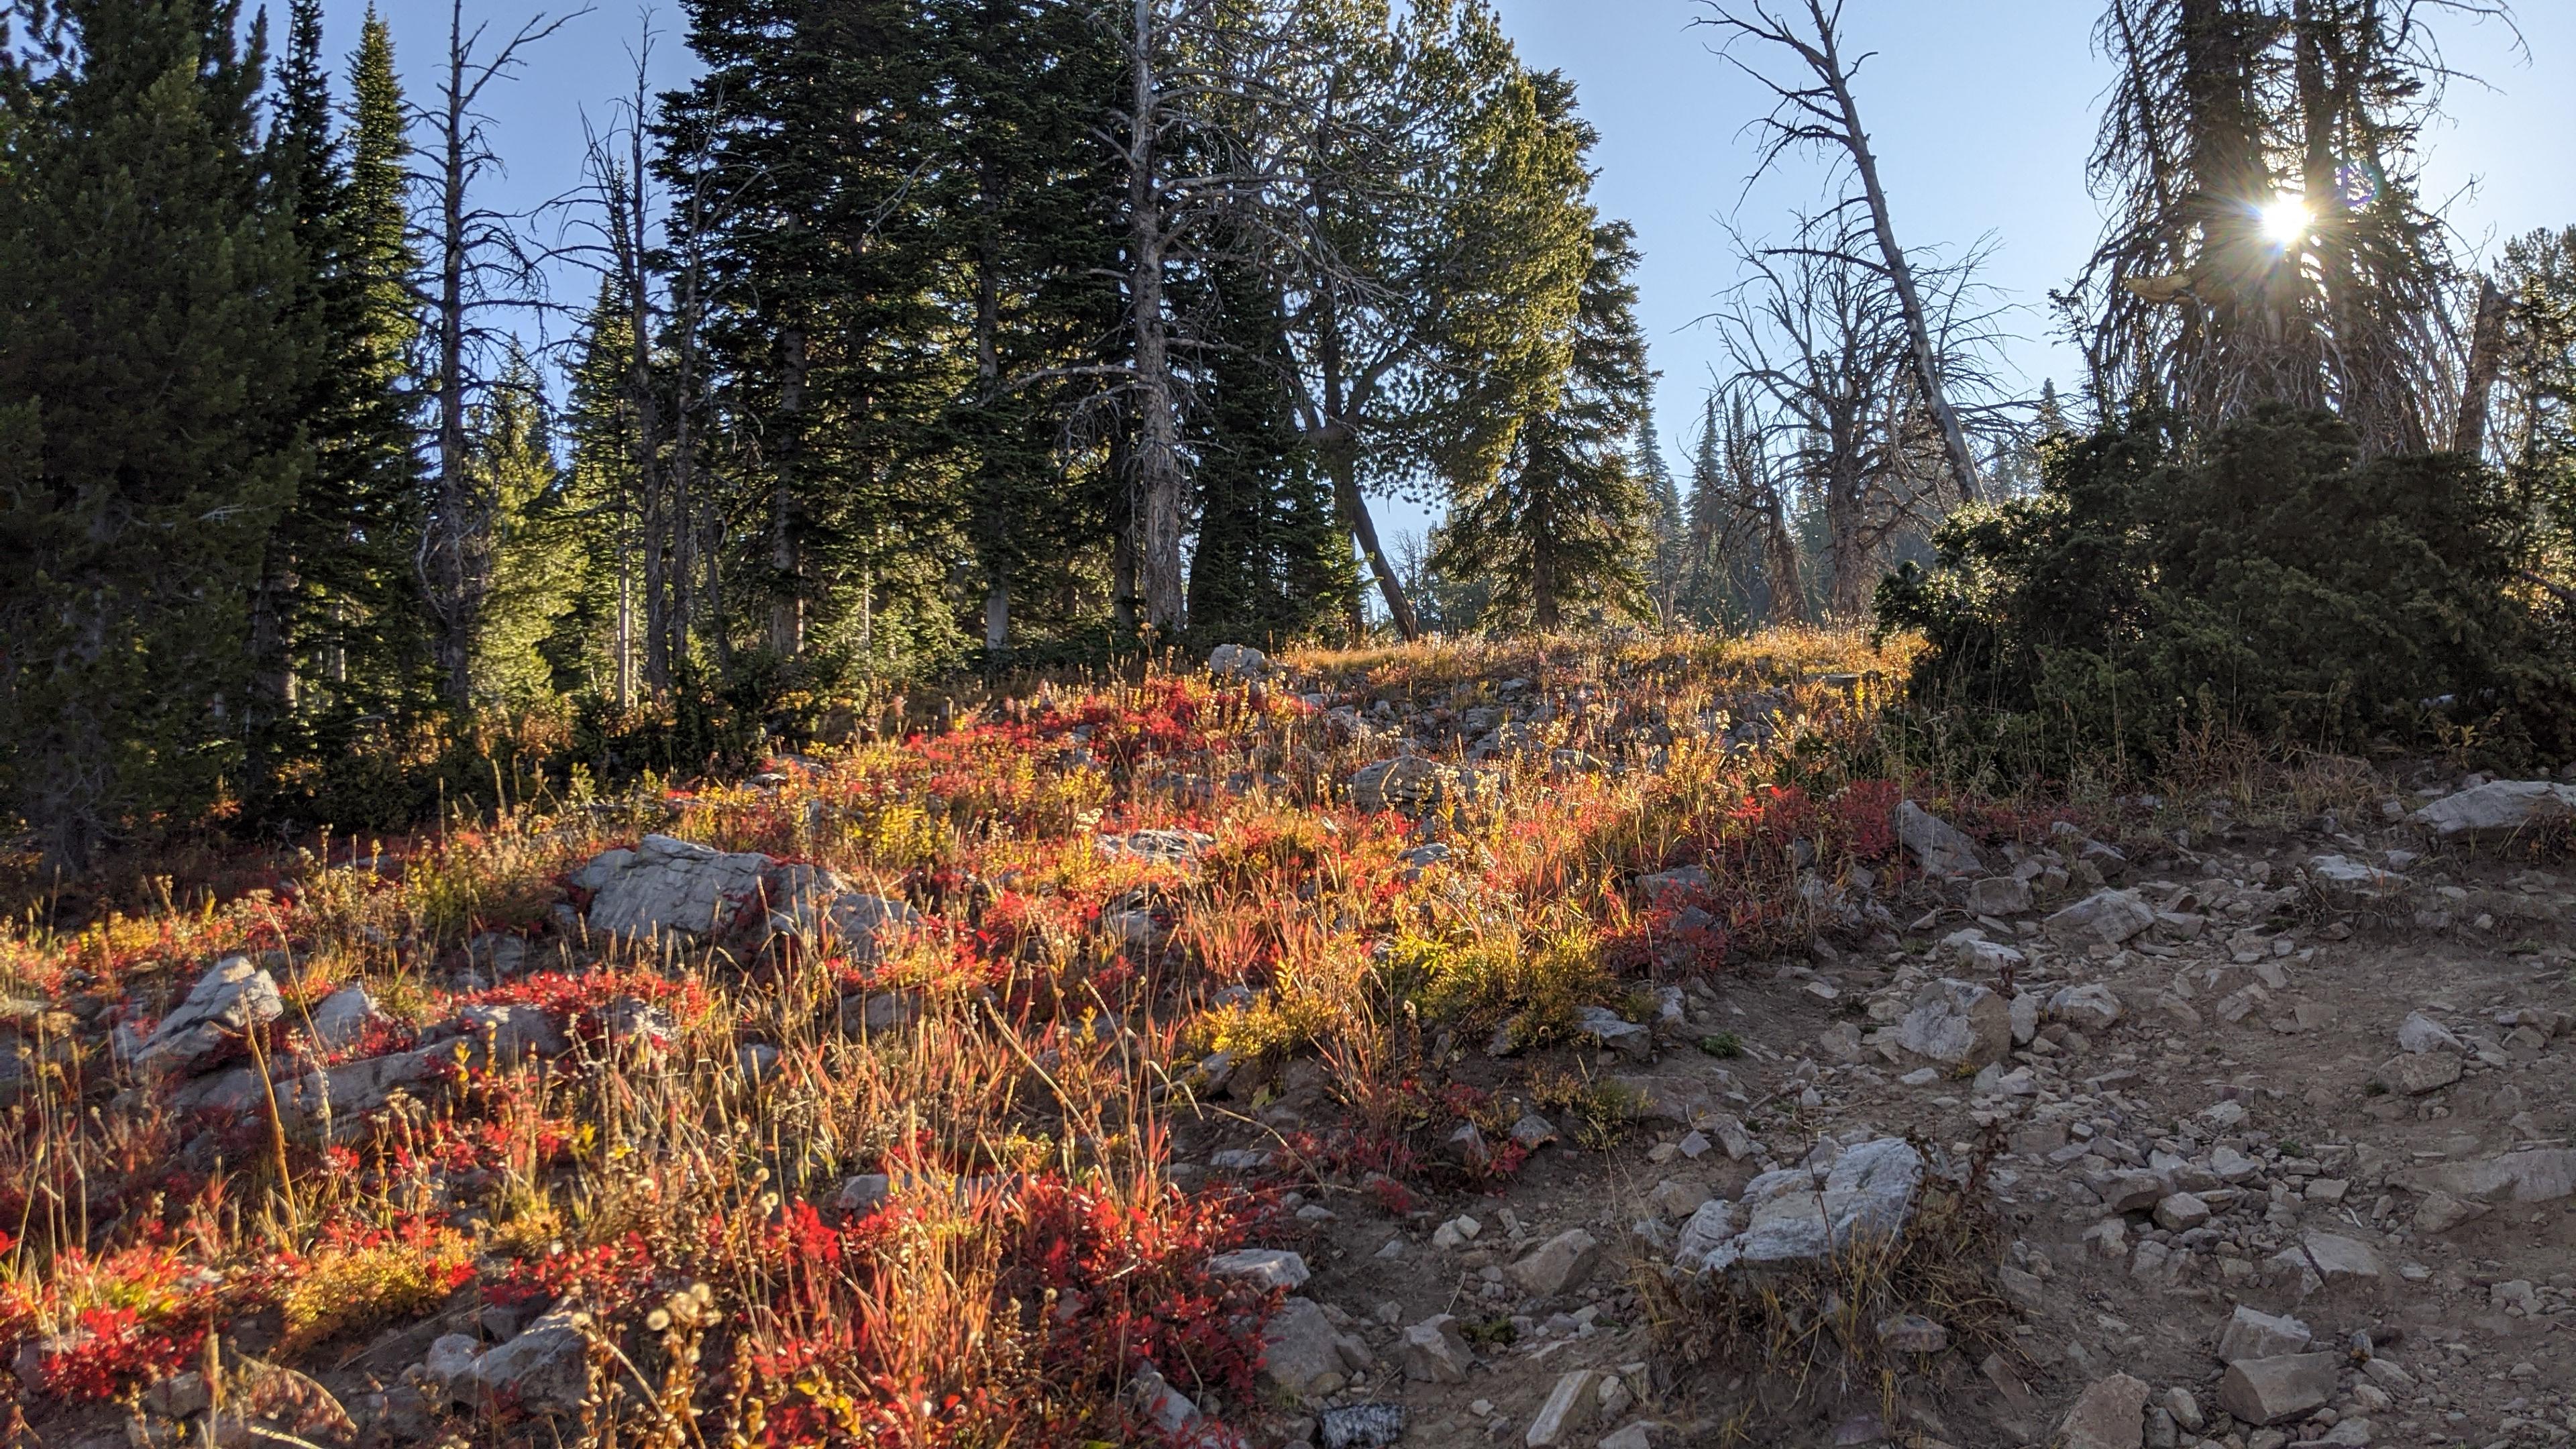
(152, 364)
(1558, 528)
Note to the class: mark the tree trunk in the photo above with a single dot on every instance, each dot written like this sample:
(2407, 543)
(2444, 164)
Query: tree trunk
(1918, 330)
(2486, 358)
(1158, 457)
(786, 561)
(452, 580)
(1338, 440)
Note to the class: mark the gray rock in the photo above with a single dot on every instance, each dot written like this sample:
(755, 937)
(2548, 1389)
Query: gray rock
(2264, 1391)
(2440, 1212)
(545, 1370)
(343, 1017)
(233, 998)
(1163, 847)
(2103, 918)
(514, 1035)
(2181, 1212)
(2498, 810)
(1868, 1193)
(2411, 1074)
(1408, 784)
(1639, 1435)
(1533, 1131)
(1561, 1263)
(2546, 1174)
(1239, 662)
(1712, 1224)
(675, 888)
(1360, 1426)
(2346, 882)
(2000, 895)
(1303, 1354)
(2327, 1260)
(1568, 1410)
(2253, 1334)
(1665, 886)
(1269, 1267)
(1608, 1029)
(1435, 1352)
(818, 905)
(1913, 1333)
(2090, 1007)
(1957, 1022)
(1935, 845)
(451, 1357)
(2419, 1033)
(2108, 1415)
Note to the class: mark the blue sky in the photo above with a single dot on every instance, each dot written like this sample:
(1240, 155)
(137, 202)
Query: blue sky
(1982, 112)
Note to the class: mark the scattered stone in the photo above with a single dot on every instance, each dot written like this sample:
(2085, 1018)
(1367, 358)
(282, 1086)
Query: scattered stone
(1913, 1333)
(1567, 1412)
(1360, 1426)
(669, 887)
(2001, 895)
(2181, 1212)
(2420, 1033)
(2327, 1260)
(514, 1035)
(2412, 1074)
(1666, 886)
(1936, 846)
(2266, 1391)
(1957, 1022)
(1239, 662)
(1303, 1354)
(544, 1370)
(343, 1018)
(1435, 1351)
(1269, 1267)
(2108, 1415)
(1561, 1263)
(2106, 917)
(2545, 1174)
(1609, 1029)
(2090, 1007)
(1408, 784)
(227, 1003)
(2253, 1334)
(2440, 1212)
(1533, 1131)
(1160, 847)
(1869, 1192)
(2497, 810)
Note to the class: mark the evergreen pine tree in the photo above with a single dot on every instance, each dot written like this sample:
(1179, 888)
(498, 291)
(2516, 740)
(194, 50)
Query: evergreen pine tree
(1559, 527)
(152, 363)
(536, 563)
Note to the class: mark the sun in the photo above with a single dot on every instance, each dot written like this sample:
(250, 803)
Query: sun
(2285, 220)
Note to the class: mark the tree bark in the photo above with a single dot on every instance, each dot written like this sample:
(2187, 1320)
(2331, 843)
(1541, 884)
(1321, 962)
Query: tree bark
(786, 561)
(1158, 458)
(2486, 358)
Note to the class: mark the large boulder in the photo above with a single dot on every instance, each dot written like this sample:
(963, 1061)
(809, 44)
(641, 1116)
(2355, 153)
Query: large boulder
(668, 887)
(2276, 1390)
(230, 1001)
(2498, 810)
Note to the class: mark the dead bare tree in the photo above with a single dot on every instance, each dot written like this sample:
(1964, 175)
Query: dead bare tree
(480, 263)
(1818, 112)
(1823, 361)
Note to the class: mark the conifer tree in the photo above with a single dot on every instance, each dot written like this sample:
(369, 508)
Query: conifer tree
(536, 565)
(1559, 526)
(152, 362)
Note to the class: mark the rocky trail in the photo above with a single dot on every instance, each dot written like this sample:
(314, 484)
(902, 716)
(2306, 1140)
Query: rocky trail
(2281, 1129)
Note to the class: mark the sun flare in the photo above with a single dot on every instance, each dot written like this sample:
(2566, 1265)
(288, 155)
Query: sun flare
(2285, 220)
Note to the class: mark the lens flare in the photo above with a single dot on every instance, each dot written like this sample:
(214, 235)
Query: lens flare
(2285, 220)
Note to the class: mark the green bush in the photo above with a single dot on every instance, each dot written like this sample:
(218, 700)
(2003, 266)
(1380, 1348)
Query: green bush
(2274, 585)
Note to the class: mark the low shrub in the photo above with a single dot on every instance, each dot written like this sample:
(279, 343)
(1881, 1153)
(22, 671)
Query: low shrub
(2271, 583)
